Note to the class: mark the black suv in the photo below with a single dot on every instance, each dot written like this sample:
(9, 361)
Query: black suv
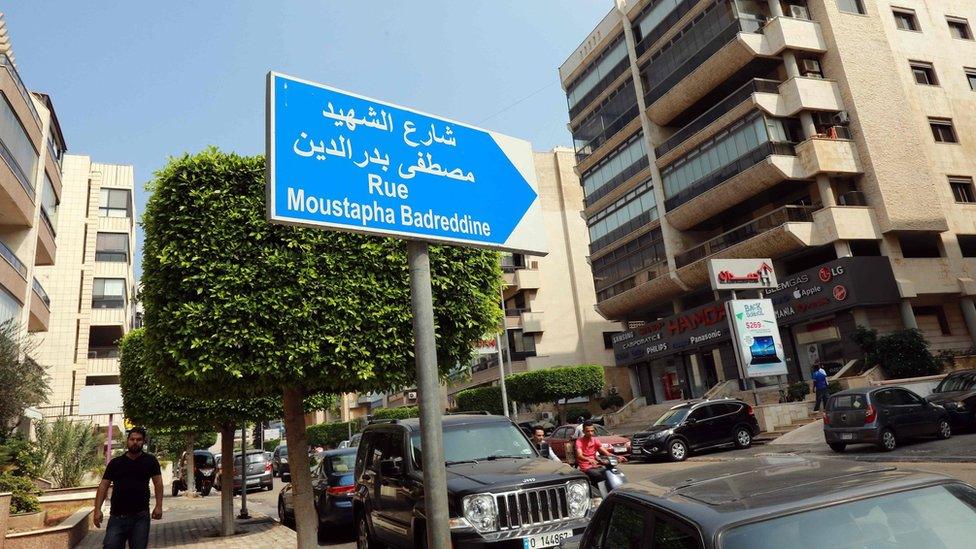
(501, 490)
(697, 425)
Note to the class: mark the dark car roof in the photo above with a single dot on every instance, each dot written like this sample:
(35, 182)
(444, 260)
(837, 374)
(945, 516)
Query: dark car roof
(696, 402)
(720, 494)
(203, 453)
(413, 424)
(337, 452)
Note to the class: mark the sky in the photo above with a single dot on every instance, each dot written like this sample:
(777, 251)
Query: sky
(139, 82)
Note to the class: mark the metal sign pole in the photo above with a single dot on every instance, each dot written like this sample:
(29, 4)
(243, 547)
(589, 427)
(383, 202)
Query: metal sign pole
(431, 437)
(244, 514)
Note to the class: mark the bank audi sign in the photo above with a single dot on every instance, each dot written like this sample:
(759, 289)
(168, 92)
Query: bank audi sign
(741, 274)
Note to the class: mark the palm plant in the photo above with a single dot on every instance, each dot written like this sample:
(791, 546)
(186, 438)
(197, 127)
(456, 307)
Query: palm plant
(70, 450)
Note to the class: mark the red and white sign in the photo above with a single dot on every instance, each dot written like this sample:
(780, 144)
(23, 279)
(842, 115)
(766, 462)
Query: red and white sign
(840, 292)
(741, 274)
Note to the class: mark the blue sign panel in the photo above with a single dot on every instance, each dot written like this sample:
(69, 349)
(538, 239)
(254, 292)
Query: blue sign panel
(341, 161)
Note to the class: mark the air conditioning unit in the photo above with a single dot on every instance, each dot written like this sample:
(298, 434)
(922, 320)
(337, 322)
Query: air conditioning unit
(811, 68)
(411, 395)
(799, 12)
(548, 415)
(842, 118)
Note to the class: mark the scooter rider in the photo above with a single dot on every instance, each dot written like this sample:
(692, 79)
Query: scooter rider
(587, 450)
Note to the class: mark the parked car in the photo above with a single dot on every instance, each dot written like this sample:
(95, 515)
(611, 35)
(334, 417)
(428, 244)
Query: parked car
(279, 461)
(258, 472)
(204, 468)
(784, 501)
(695, 426)
(343, 444)
(957, 394)
(561, 435)
(354, 441)
(882, 416)
(332, 486)
(500, 488)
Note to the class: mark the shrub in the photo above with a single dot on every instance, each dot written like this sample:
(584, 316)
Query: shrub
(271, 444)
(329, 435)
(488, 399)
(834, 387)
(397, 413)
(900, 354)
(25, 494)
(20, 458)
(576, 412)
(70, 450)
(612, 400)
(797, 392)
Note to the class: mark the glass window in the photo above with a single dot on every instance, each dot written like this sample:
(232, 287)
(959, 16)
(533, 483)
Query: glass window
(625, 529)
(479, 441)
(957, 382)
(49, 202)
(700, 413)
(108, 293)
(17, 146)
(600, 69)
(114, 203)
(9, 307)
(937, 516)
(342, 463)
(942, 130)
(962, 189)
(959, 28)
(671, 535)
(971, 76)
(851, 6)
(905, 20)
(112, 247)
(924, 73)
(847, 402)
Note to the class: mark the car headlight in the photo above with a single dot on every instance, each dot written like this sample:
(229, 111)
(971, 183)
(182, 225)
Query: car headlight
(479, 511)
(284, 460)
(578, 498)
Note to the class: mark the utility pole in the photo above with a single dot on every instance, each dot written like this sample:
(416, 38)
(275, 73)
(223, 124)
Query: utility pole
(244, 514)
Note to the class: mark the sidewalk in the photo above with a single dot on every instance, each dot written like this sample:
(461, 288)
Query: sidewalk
(196, 523)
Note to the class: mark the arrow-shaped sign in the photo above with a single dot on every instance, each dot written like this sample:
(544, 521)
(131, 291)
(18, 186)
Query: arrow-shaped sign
(342, 161)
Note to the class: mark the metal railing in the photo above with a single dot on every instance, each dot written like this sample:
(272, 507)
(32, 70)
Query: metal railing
(13, 260)
(103, 352)
(773, 219)
(609, 131)
(26, 182)
(47, 221)
(723, 37)
(6, 62)
(852, 198)
(39, 290)
(755, 85)
(728, 171)
(599, 87)
(615, 181)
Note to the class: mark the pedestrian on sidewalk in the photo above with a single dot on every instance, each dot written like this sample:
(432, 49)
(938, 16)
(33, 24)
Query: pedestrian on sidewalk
(820, 385)
(129, 476)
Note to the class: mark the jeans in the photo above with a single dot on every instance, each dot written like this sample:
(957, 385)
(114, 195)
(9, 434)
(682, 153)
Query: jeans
(822, 395)
(596, 474)
(133, 529)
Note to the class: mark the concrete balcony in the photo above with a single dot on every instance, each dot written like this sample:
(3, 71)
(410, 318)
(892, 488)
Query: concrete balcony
(532, 322)
(513, 319)
(103, 366)
(775, 234)
(527, 279)
(13, 273)
(731, 50)
(46, 245)
(40, 310)
(824, 155)
(16, 194)
(804, 94)
(112, 317)
(844, 223)
(718, 195)
(643, 295)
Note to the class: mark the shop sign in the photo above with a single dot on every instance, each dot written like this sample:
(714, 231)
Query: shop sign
(756, 337)
(692, 328)
(741, 274)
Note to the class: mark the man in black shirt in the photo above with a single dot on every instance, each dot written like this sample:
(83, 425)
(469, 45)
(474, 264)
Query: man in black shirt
(129, 515)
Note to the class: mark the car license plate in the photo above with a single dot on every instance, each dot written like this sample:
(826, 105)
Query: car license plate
(550, 539)
(620, 449)
(847, 436)
(637, 450)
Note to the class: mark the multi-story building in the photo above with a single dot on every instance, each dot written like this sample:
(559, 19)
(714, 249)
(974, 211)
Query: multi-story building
(549, 315)
(837, 137)
(31, 146)
(92, 286)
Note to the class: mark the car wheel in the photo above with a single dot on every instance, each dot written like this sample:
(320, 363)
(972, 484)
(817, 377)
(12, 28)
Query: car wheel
(742, 438)
(206, 490)
(677, 450)
(176, 490)
(283, 515)
(838, 447)
(888, 440)
(364, 539)
(945, 429)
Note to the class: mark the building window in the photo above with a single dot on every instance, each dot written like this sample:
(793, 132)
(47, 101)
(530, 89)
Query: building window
(114, 203)
(939, 313)
(9, 307)
(49, 203)
(924, 73)
(851, 6)
(108, 293)
(905, 19)
(920, 245)
(630, 212)
(967, 244)
(971, 76)
(608, 339)
(112, 247)
(522, 344)
(942, 130)
(16, 147)
(959, 28)
(962, 189)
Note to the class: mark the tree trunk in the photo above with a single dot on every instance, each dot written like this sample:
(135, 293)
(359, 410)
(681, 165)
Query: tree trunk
(227, 479)
(301, 478)
(191, 481)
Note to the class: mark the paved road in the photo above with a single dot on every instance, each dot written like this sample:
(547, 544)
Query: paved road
(267, 503)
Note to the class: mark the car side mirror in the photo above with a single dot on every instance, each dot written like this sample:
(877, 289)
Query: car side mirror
(391, 468)
(691, 421)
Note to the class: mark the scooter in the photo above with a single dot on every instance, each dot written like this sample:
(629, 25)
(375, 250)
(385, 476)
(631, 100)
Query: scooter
(612, 476)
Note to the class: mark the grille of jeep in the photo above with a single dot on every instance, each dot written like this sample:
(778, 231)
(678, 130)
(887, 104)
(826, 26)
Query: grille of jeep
(531, 507)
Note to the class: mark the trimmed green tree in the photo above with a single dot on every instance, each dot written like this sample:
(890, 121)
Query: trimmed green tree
(901, 354)
(479, 399)
(234, 302)
(556, 385)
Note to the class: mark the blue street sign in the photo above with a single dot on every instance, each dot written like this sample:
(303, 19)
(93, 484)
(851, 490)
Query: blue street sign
(341, 161)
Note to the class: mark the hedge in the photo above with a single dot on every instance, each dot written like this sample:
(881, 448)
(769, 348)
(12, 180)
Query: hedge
(329, 435)
(397, 413)
(555, 384)
(480, 399)
(25, 493)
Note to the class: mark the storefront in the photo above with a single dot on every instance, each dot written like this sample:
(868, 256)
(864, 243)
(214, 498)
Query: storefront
(684, 355)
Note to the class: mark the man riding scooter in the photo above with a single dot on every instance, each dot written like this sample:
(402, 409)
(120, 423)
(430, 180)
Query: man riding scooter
(588, 450)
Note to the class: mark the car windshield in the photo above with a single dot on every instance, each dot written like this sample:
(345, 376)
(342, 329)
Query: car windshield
(283, 451)
(847, 402)
(251, 458)
(479, 441)
(342, 463)
(203, 460)
(672, 417)
(963, 382)
(938, 517)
